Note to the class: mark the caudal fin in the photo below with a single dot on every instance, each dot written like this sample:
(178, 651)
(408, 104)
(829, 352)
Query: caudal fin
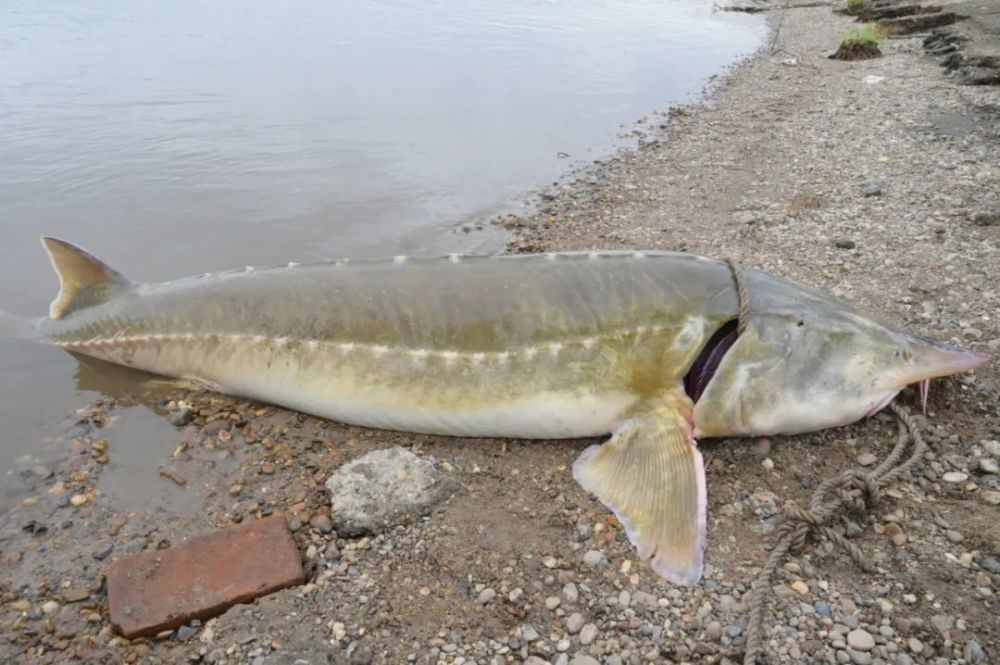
(84, 281)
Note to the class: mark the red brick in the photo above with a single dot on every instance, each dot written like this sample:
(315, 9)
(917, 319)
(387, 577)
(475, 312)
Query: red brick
(164, 589)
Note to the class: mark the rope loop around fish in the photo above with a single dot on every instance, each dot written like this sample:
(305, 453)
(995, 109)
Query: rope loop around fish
(851, 490)
(742, 294)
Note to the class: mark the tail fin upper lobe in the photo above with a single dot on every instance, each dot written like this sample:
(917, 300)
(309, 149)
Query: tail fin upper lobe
(84, 280)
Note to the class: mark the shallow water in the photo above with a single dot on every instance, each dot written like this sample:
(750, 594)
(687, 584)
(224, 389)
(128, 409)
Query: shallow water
(177, 138)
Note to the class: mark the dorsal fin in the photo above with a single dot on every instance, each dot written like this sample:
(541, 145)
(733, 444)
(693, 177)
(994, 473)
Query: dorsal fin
(84, 280)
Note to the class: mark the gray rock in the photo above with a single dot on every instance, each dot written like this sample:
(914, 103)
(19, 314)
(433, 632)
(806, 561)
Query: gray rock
(584, 659)
(184, 633)
(873, 190)
(860, 640)
(846, 243)
(594, 558)
(867, 459)
(383, 489)
(991, 564)
(860, 657)
(103, 551)
(321, 523)
(574, 623)
(973, 652)
(588, 634)
(486, 596)
(529, 633)
(181, 417)
(988, 217)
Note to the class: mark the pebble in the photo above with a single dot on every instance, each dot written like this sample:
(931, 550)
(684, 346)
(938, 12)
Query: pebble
(860, 640)
(321, 523)
(184, 633)
(584, 659)
(872, 190)
(823, 609)
(867, 459)
(181, 417)
(954, 536)
(845, 243)
(78, 500)
(574, 623)
(50, 607)
(103, 551)
(588, 634)
(973, 652)
(171, 473)
(987, 465)
(486, 596)
(529, 633)
(896, 534)
(713, 631)
(914, 645)
(552, 602)
(859, 657)
(571, 593)
(800, 587)
(594, 558)
(943, 623)
(955, 477)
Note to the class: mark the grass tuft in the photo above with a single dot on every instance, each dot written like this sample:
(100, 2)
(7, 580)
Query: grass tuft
(869, 33)
(855, 5)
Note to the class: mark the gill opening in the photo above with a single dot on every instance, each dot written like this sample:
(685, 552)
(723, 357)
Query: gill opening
(707, 362)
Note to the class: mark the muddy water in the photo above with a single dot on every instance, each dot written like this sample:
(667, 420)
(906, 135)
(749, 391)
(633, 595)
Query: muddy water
(182, 137)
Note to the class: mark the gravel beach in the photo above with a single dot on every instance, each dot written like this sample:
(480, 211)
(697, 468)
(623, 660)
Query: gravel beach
(876, 180)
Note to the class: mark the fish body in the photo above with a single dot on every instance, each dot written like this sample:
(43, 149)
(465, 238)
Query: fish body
(548, 346)
(563, 345)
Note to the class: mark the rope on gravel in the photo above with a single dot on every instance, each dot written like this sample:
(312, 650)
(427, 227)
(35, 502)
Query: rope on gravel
(851, 490)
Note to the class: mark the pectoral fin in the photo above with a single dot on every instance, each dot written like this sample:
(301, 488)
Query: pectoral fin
(651, 475)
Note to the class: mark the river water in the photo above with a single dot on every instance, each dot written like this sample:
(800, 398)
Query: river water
(173, 138)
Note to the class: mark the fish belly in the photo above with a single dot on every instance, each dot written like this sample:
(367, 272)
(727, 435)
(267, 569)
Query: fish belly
(575, 393)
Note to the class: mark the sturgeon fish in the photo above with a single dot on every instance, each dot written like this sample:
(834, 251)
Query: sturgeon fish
(639, 345)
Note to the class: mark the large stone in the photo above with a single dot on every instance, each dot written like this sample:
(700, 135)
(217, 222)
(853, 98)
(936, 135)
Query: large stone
(163, 589)
(382, 489)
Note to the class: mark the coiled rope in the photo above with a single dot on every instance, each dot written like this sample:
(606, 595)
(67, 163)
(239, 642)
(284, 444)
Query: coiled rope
(851, 490)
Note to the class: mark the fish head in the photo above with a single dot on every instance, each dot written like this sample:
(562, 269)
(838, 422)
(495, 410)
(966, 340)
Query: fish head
(818, 365)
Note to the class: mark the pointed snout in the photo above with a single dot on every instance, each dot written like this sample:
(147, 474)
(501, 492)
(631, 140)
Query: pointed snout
(927, 359)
